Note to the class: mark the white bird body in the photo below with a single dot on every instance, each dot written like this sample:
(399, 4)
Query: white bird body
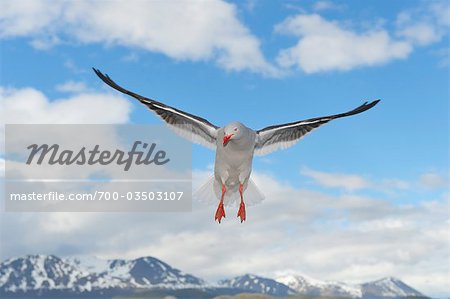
(233, 163)
(235, 146)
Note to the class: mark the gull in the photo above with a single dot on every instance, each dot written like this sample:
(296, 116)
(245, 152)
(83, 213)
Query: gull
(235, 144)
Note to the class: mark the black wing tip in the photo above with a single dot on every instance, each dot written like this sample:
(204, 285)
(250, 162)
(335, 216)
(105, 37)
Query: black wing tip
(98, 72)
(368, 105)
(373, 103)
(105, 78)
(364, 107)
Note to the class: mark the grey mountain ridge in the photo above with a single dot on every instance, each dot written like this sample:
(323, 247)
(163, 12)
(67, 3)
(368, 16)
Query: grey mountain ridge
(37, 275)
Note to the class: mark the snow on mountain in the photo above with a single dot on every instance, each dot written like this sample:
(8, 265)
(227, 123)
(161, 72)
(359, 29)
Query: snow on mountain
(149, 271)
(388, 287)
(257, 284)
(88, 263)
(37, 274)
(313, 287)
(384, 288)
(83, 273)
(141, 272)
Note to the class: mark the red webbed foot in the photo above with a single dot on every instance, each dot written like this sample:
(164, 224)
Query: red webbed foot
(220, 213)
(241, 212)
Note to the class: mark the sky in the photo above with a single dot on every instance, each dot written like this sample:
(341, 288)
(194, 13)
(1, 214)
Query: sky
(358, 199)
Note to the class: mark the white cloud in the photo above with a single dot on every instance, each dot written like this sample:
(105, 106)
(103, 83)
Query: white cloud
(326, 45)
(440, 10)
(73, 67)
(22, 18)
(45, 43)
(434, 180)
(352, 238)
(395, 184)
(421, 33)
(72, 87)
(131, 57)
(326, 5)
(31, 106)
(393, 187)
(203, 30)
(216, 33)
(337, 180)
(425, 24)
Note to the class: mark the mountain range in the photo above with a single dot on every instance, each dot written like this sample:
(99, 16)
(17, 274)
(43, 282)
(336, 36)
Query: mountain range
(48, 275)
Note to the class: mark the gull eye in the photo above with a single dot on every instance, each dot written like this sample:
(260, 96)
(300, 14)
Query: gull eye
(235, 129)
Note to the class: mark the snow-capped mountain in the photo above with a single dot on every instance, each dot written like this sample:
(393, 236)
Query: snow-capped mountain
(42, 275)
(141, 272)
(81, 274)
(313, 287)
(257, 284)
(36, 272)
(388, 287)
(383, 288)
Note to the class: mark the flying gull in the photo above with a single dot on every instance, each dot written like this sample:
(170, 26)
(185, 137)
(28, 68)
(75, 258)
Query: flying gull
(235, 144)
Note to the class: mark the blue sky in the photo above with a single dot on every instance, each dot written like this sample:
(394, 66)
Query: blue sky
(262, 63)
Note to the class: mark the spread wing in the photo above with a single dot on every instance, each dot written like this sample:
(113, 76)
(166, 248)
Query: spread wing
(283, 136)
(192, 127)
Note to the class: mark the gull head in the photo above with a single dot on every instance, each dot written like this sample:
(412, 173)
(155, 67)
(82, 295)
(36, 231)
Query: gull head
(233, 131)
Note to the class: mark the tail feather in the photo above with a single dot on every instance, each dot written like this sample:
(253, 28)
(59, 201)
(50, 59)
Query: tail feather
(209, 193)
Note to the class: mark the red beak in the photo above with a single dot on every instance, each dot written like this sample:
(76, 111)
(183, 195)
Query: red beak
(226, 138)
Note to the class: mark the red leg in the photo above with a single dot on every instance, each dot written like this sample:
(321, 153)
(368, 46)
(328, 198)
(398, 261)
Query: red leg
(220, 210)
(241, 212)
